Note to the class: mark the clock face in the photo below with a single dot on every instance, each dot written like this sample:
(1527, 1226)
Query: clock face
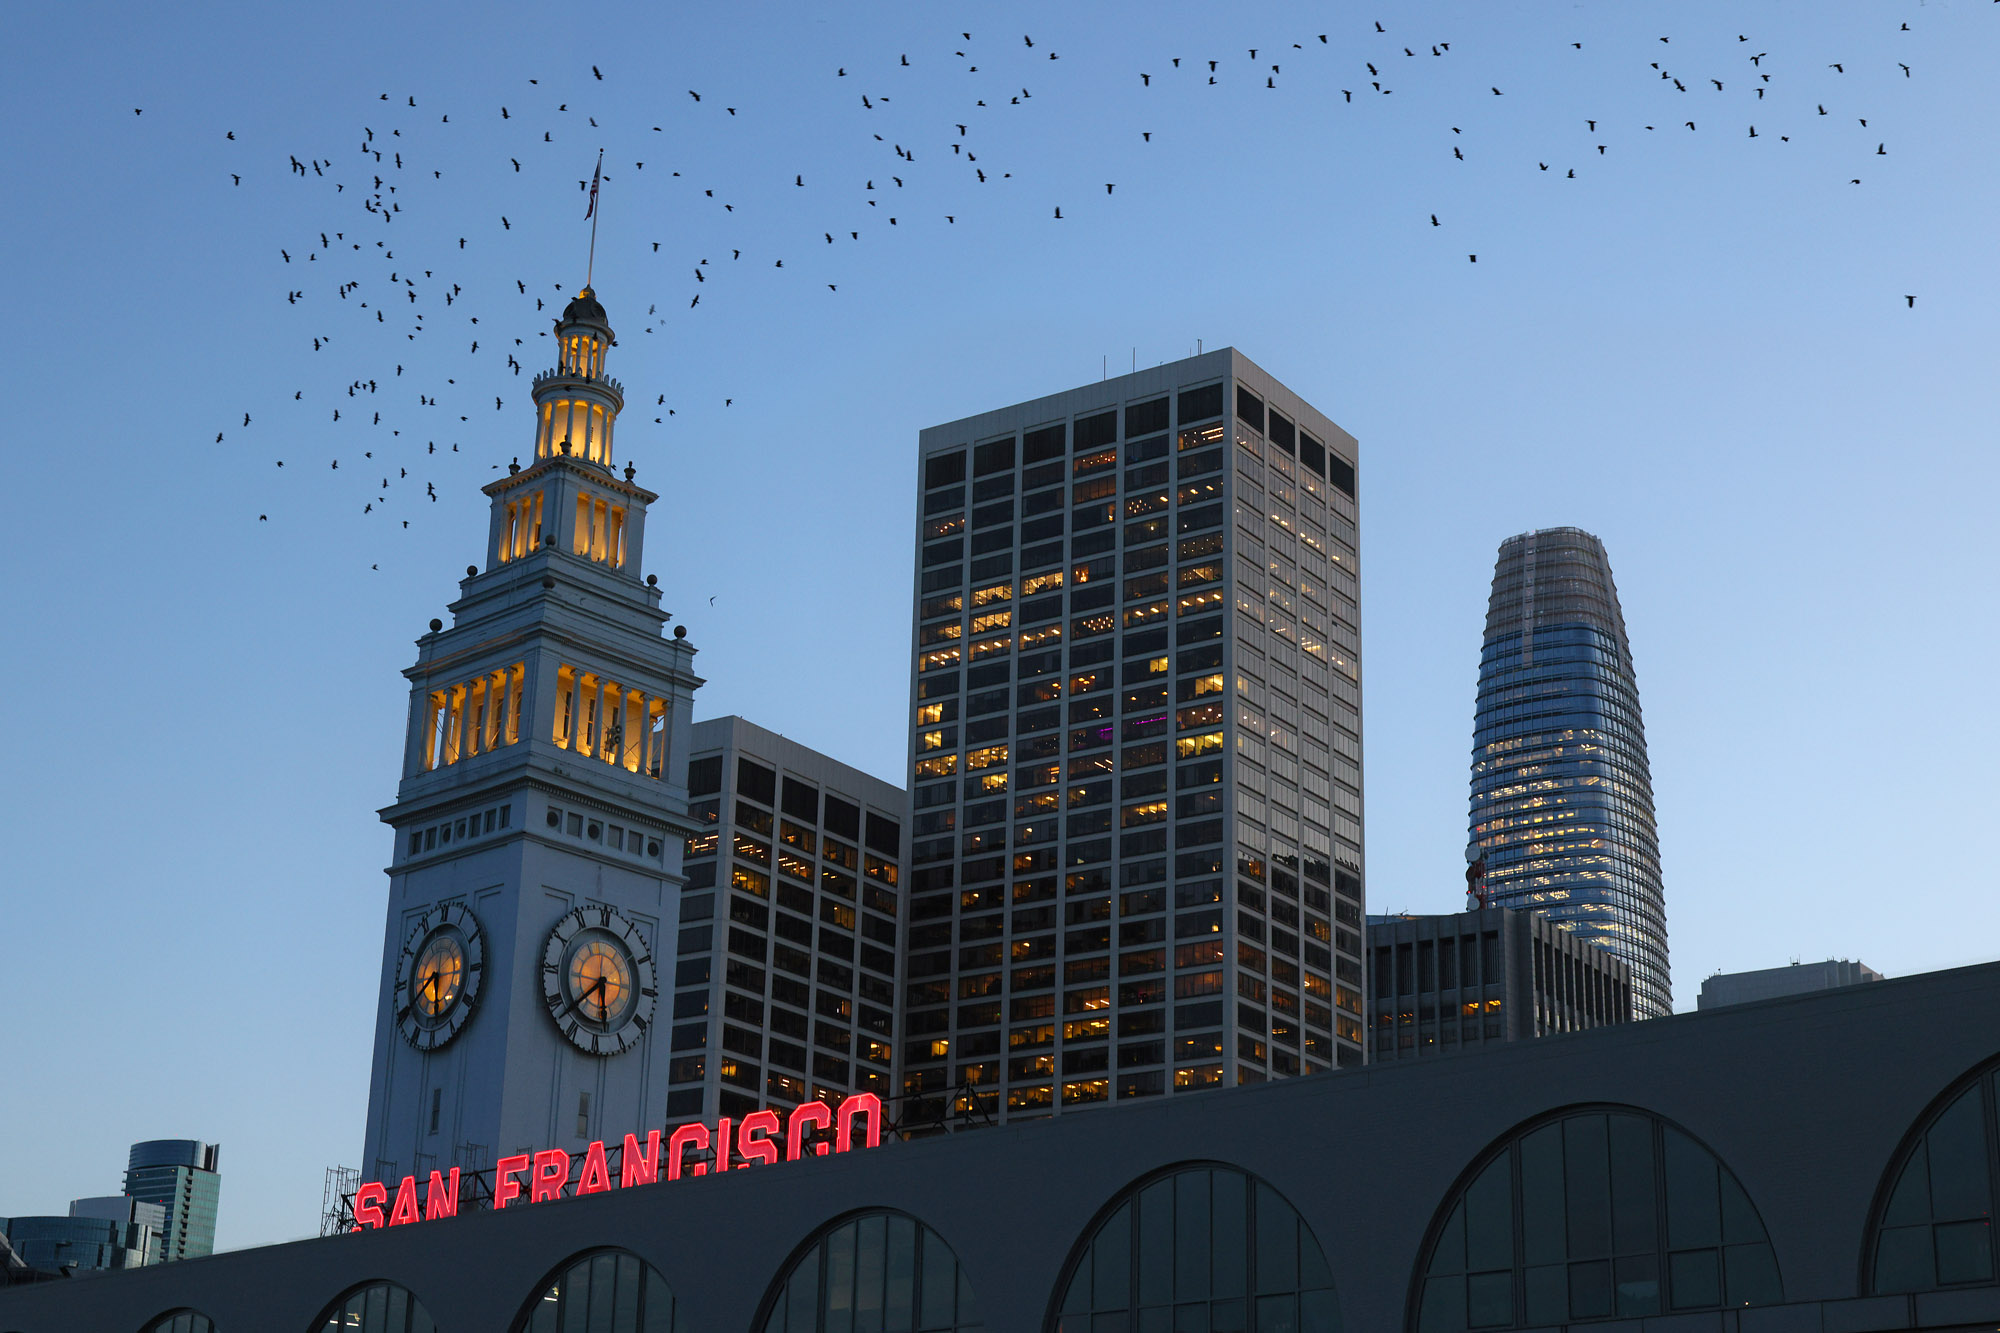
(598, 980)
(437, 976)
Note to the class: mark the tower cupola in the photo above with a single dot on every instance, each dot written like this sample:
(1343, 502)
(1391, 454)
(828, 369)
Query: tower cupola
(577, 404)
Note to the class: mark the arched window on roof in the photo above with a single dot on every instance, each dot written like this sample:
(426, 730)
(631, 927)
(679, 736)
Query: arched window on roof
(1932, 1225)
(181, 1321)
(1603, 1213)
(378, 1307)
(875, 1272)
(1198, 1249)
(609, 1291)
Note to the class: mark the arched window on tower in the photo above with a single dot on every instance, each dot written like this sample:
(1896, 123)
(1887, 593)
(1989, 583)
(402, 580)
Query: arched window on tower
(1198, 1248)
(1592, 1214)
(880, 1271)
(1932, 1225)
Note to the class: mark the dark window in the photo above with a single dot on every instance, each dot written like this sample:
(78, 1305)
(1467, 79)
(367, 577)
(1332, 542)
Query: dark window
(1341, 473)
(801, 800)
(1145, 418)
(1208, 1240)
(381, 1305)
(1096, 431)
(993, 456)
(1200, 404)
(757, 782)
(1934, 1230)
(1281, 432)
(1585, 1194)
(705, 776)
(944, 469)
(1250, 408)
(842, 818)
(879, 1269)
(1034, 557)
(1312, 453)
(1048, 442)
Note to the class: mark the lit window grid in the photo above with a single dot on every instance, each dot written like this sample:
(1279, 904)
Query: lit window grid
(713, 1052)
(1339, 551)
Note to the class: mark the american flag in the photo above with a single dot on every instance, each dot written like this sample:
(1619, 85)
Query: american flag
(595, 173)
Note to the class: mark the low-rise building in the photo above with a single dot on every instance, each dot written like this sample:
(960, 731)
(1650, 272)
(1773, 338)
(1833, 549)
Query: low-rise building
(1769, 983)
(1448, 982)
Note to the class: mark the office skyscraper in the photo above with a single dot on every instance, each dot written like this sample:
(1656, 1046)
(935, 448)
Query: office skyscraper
(785, 979)
(183, 1178)
(1562, 798)
(1136, 842)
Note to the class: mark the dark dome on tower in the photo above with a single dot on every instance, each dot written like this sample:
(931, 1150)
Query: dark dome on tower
(583, 308)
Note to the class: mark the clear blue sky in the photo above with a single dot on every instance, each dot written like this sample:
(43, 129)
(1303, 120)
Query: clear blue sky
(1698, 347)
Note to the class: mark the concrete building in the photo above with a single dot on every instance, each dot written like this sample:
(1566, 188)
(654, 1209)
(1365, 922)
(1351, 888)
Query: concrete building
(1136, 838)
(1771, 982)
(1455, 982)
(785, 976)
(183, 1177)
(1722, 1172)
(98, 1234)
(1562, 795)
(541, 815)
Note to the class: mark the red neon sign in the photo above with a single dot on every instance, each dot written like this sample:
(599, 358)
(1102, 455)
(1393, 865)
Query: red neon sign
(543, 1176)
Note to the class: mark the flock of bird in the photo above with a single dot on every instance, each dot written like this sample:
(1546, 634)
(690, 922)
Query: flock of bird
(369, 293)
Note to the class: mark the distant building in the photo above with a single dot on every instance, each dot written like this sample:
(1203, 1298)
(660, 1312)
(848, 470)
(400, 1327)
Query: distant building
(1493, 974)
(1725, 988)
(106, 1233)
(182, 1177)
(785, 976)
(1562, 798)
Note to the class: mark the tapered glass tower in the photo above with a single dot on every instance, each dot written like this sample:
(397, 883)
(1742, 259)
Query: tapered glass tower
(1562, 798)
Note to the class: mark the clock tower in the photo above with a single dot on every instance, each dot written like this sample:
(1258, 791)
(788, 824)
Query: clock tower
(541, 815)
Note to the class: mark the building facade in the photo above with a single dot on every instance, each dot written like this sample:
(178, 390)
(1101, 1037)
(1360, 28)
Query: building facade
(1562, 795)
(1721, 1172)
(1135, 764)
(1769, 983)
(785, 975)
(1448, 983)
(185, 1179)
(541, 815)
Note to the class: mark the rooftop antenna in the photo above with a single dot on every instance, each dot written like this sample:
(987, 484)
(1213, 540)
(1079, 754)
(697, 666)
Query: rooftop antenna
(590, 215)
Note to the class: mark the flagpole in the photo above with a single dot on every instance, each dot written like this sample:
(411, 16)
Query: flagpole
(590, 266)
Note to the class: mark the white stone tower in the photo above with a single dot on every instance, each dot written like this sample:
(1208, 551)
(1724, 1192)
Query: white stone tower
(541, 815)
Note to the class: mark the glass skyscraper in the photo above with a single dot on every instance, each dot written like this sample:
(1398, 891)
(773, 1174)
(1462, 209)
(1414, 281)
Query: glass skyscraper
(1562, 797)
(181, 1176)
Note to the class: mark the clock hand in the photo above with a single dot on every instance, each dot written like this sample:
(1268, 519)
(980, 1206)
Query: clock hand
(579, 998)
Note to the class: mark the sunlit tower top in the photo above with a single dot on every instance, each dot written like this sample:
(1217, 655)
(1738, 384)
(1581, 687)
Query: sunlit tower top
(582, 506)
(577, 404)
